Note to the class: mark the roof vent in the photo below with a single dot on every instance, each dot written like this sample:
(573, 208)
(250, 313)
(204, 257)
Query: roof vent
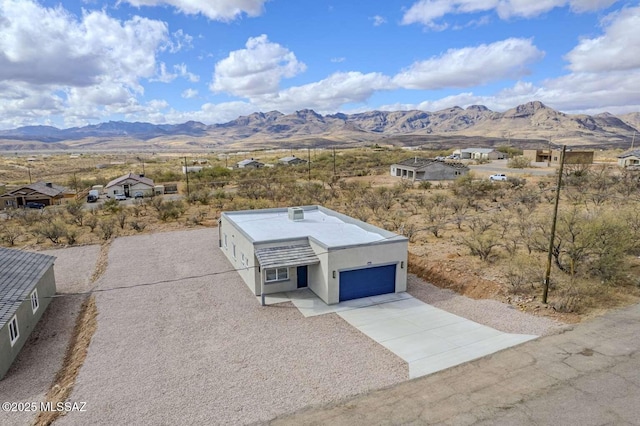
(49, 185)
(296, 213)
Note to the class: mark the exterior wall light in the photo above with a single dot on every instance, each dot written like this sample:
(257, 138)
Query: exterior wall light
(402, 264)
(334, 274)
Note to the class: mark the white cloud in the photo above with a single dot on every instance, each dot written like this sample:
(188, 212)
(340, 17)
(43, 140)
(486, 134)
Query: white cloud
(189, 93)
(256, 70)
(428, 12)
(327, 95)
(182, 71)
(217, 10)
(338, 60)
(179, 41)
(378, 20)
(610, 51)
(471, 66)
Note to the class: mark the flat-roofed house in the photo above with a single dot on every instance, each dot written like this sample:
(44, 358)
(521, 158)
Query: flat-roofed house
(428, 169)
(336, 256)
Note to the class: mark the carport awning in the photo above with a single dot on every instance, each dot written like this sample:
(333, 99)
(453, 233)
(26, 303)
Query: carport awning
(286, 256)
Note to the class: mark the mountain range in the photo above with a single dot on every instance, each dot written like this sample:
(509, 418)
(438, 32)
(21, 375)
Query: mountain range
(532, 122)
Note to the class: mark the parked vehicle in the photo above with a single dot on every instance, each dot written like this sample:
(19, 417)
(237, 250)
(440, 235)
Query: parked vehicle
(138, 195)
(93, 196)
(34, 205)
(120, 197)
(498, 177)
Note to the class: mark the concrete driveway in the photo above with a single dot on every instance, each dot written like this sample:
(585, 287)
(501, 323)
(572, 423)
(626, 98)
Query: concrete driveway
(428, 339)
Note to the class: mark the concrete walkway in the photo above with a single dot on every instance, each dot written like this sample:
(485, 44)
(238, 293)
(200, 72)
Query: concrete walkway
(428, 339)
(586, 376)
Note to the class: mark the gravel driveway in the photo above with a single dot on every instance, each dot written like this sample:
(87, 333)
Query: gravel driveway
(33, 371)
(190, 344)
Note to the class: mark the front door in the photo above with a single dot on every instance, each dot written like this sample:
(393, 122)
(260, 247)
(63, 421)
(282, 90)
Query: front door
(302, 276)
(126, 190)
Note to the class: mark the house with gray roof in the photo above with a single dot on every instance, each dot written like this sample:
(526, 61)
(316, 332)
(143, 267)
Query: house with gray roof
(46, 193)
(337, 257)
(27, 284)
(249, 163)
(630, 158)
(129, 184)
(428, 169)
(292, 160)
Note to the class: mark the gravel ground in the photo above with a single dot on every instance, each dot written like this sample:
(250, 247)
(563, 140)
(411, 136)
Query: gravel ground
(190, 344)
(489, 312)
(41, 357)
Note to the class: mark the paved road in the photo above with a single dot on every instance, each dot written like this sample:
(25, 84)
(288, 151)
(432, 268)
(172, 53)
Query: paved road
(589, 375)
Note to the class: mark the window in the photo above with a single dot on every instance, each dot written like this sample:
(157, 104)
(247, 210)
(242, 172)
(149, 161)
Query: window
(14, 333)
(225, 241)
(277, 274)
(234, 249)
(34, 301)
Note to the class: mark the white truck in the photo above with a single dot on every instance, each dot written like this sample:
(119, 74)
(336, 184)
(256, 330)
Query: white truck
(498, 177)
(93, 196)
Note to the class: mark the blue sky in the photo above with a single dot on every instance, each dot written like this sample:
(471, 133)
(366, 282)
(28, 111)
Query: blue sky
(71, 63)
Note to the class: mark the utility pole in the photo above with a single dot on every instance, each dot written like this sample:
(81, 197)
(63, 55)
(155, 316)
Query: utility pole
(309, 161)
(634, 139)
(547, 275)
(29, 170)
(186, 172)
(334, 161)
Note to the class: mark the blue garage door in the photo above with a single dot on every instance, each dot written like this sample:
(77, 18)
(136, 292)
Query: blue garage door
(367, 282)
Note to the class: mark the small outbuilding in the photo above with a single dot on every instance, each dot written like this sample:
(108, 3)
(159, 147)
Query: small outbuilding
(27, 284)
(129, 184)
(292, 161)
(428, 169)
(553, 156)
(337, 257)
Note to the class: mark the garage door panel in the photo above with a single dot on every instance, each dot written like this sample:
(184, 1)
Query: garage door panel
(367, 282)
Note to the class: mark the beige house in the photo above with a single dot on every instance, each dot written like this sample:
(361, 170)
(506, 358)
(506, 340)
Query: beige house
(46, 193)
(129, 185)
(552, 156)
(337, 257)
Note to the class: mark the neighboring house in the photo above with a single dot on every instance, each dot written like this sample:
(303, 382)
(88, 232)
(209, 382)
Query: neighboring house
(27, 284)
(128, 185)
(552, 156)
(292, 161)
(249, 164)
(631, 158)
(46, 193)
(428, 169)
(481, 154)
(337, 257)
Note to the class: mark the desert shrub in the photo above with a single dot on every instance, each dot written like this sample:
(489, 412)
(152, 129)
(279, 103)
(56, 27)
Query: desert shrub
(519, 162)
(76, 211)
(71, 235)
(424, 184)
(170, 210)
(137, 226)
(122, 218)
(91, 222)
(202, 196)
(10, 233)
(107, 228)
(111, 206)
(53, 230)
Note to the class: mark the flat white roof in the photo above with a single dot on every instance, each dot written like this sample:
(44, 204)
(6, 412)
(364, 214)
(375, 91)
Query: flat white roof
(269, 225)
